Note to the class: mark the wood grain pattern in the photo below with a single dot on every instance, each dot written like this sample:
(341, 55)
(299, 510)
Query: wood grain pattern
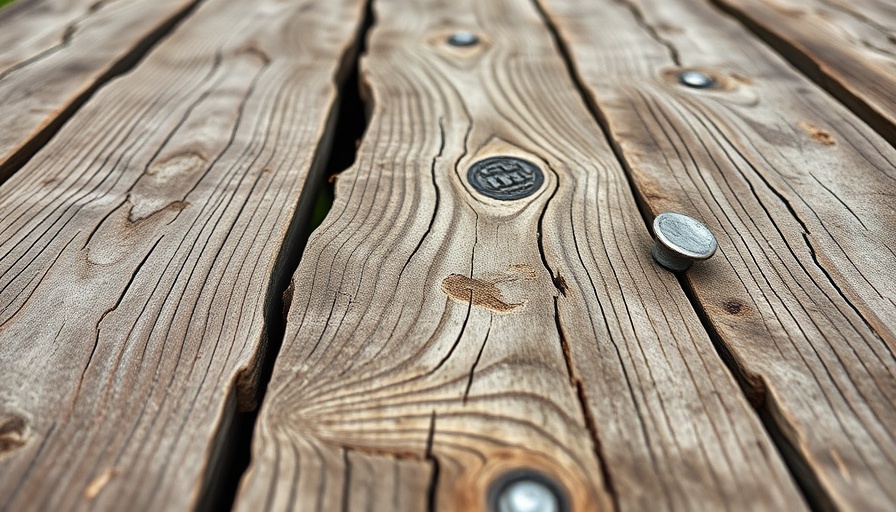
(439, 338)
(55, 53)
(138, 250)
(847, 46)
(801, 196)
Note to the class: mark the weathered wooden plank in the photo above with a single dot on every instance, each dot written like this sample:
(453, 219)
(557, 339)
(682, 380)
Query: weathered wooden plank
(464, 336)
(55, 53)
(847, 46)
(138, 253)
(800, 194)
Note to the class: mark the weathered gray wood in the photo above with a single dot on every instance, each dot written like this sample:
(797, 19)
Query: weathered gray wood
(848, 46)
(55, 53)
(441, 332)
(800, 194)
(137, 250)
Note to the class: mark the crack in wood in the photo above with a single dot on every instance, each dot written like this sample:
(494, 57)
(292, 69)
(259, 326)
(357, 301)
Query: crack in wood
(753, 388)
(576, 383)
(845, 76)
(281, 287)
(433, 487)
(38, 139)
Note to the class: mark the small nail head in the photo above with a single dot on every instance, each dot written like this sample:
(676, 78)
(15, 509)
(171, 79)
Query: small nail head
(463, 39)
(696, 79)
(527, 496)
(527, 490)
(681, 240)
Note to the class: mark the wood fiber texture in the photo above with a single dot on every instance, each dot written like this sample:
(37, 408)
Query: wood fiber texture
(138, 251)
(438, 338)
(55, 53)
(848, 46)
(800, 194)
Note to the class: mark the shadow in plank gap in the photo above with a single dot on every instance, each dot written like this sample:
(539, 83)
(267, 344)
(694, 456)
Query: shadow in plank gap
(350, 130)
(462, 343)
(798, 191)
(55, 55)
(314, 205)
(144, 254)
(846, 47)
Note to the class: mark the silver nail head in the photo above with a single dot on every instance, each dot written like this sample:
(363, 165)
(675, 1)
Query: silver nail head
(680, 241)
(527, 495)
(463, 39)
(696, 79)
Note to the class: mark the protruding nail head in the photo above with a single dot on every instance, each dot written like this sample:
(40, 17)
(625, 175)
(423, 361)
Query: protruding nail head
(681, 240)
(463, 39)
(526, 490)
(696, 79)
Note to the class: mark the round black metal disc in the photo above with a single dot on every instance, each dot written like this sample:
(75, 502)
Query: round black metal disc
(505, 177)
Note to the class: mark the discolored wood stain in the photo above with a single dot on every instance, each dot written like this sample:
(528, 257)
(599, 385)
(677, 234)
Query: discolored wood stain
(478, 292)
(96, 486)
(818, 134)
(735, 307)
(13, 433)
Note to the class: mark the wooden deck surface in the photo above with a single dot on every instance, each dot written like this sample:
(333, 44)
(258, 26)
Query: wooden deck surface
(177, 331)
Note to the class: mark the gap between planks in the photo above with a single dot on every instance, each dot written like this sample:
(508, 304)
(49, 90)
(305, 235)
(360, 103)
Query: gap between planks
(220, 491)
(282, 478)
(849, 53)
(748, 389)
(173, 162)
(30, 132)
(820, 478)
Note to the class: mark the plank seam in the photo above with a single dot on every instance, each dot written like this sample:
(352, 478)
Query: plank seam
(753, 388)
(558, 281)
(123, 65)
(803, 62)
(756, 392)
(220, 491)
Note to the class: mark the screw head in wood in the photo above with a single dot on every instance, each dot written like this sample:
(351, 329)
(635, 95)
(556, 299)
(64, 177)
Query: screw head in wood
(463, 39)
(526, 490)
(505, 177)
(680, 241)
(696, 79)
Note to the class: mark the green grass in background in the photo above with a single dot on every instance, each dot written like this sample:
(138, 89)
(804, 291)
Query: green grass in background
(4, 2)
(322, 205)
